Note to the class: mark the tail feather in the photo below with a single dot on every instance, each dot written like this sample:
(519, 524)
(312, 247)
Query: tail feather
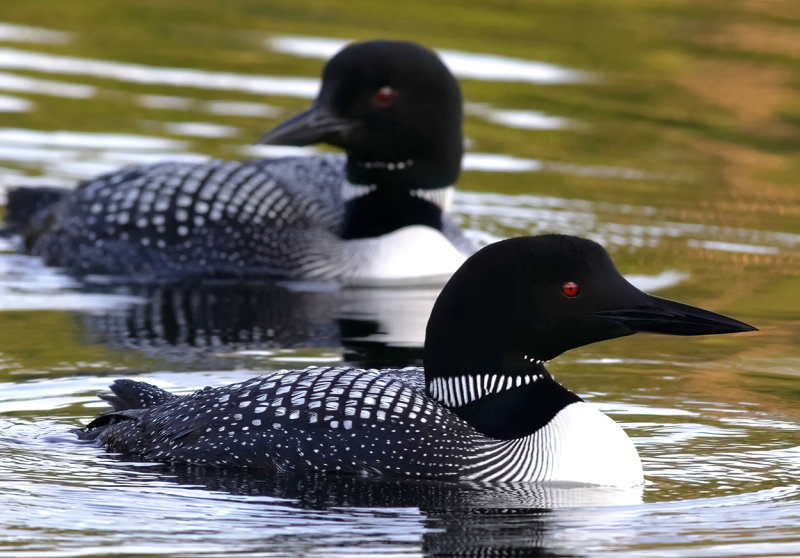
(24, 203)
(30, 211)
(128, 400)
(130, 394)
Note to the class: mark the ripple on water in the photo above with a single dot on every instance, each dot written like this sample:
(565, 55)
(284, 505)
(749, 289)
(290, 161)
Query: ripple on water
(76, 493)
(27, 284)
(80, 494)
(37, 86)
(15, 104)
(644, 226)
(27, 34)
(17, 59)
(718, 474)
(469, 65)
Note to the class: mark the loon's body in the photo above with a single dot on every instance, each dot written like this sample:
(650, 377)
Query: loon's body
(376, 215)
(275, 218)
(356, 421)
(483, 408)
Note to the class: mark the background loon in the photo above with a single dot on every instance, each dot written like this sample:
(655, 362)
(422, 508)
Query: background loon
(376, 216)
(484, 408)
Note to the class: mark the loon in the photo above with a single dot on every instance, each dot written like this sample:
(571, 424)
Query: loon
(375, 215)
(483, 408)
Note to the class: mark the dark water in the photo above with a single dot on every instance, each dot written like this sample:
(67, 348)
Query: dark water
(668, 131)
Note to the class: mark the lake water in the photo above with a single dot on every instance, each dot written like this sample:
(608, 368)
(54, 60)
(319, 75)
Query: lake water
(667, 130)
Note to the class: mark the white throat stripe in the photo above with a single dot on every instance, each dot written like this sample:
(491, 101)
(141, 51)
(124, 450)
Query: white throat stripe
(440, 197)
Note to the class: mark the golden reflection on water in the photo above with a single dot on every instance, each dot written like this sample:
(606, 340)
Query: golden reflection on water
(681, 153)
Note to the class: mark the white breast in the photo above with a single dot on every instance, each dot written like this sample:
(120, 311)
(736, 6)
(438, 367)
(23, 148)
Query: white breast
(579, 445)
(415, 254)
(588, 447)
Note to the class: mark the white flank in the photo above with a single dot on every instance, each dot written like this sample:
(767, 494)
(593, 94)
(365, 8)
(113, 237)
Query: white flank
(411, 254)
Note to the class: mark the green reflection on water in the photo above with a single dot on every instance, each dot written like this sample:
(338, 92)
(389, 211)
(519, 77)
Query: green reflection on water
(697, 92)
(697, 95)
(49, 344)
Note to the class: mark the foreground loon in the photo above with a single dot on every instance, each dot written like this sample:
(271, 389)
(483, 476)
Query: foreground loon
(377, 215)
(484, 407)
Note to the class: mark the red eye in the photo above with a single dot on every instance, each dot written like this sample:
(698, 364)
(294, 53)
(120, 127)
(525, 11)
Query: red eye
(384, 96)
(570, 289)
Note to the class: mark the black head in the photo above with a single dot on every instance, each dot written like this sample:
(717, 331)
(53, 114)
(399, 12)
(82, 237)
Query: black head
(529, 299)
(394, 108)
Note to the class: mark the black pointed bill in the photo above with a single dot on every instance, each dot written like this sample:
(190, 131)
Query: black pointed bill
(659, 315)
(316, 125)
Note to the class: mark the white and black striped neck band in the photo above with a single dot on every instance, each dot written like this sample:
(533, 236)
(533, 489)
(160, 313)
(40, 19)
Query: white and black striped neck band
(457, 391)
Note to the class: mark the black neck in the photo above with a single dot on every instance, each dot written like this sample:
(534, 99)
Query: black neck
(518, 411)
(429, 172)
(461, 340)
(428, 166)
(387, 209)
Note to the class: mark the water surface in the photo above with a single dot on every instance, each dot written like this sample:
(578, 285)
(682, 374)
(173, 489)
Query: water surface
(668, 131)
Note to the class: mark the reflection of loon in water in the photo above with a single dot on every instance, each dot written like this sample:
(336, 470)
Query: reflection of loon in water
(456, 518)
(376, 327)
(380, 328)
(311, 490)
